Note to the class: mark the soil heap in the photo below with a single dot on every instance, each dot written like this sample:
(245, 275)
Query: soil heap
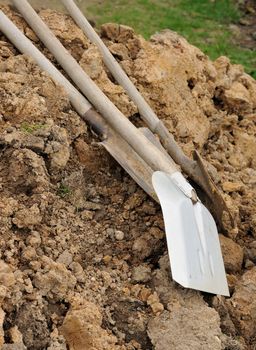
(83, 260)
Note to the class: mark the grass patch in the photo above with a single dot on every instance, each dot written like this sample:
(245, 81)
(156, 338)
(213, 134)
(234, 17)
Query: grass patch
(63, 190)
(30, 128)
(204, 23)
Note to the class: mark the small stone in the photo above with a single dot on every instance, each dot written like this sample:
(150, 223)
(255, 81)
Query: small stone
(27, 217)
(142, 247)
(34, 239)
(153, 302)
(65, 258)
(229, 186)
(135, 290)
(15, 335)
(232, 281)
(119, 235)
(28, 286)
(77, 271)
(126, 291)
(248, 264)
(107, 259)
(157, 233)
(141, 273)
(126, 215)
(10, 129)
(106, 278)
(87, 215)
(29, 253)
(60, 156)
(238, 98)
(232, 254)
(119, 50)
(110, 232)
(144, 294)
(7, 278)
(35, 265)
(91, 62)
(157, 308)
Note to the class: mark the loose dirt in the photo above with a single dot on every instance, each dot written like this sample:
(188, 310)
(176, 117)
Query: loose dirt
(246, 28)
(83, 260)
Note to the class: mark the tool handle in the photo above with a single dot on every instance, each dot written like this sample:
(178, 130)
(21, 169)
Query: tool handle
(148, 152)
(146, 112)
(79, 102)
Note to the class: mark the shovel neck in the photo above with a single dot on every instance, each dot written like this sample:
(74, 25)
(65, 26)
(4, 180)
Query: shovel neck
(181, 182)
(97, 123)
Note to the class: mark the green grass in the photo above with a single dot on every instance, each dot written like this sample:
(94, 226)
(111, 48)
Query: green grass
(204, 23)
(30, 128)
(63, 190)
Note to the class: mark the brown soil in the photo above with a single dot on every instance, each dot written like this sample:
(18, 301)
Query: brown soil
(83, 254)
(247, 24)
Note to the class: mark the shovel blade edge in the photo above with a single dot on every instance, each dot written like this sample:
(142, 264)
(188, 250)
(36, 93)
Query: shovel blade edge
(192, 239)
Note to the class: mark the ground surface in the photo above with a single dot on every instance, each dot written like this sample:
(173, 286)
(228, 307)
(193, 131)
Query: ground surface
(83, 254)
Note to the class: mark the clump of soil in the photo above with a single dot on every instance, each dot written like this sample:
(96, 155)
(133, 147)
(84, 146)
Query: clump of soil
(83, 261)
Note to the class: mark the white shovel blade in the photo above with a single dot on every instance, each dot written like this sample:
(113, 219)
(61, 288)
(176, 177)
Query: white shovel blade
(192, 239)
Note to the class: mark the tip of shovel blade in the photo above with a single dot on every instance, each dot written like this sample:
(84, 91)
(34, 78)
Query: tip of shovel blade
(212, 287)
(192, 239)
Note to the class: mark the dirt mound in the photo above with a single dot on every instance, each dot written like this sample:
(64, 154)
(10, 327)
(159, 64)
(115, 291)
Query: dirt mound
(83, 255)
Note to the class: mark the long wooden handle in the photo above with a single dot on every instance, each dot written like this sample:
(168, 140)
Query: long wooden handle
(118, 73)
(151, 155)
(79, 102)
(146, 112)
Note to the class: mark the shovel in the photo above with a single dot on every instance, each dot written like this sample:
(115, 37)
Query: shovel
(196, 260)
(195, 169)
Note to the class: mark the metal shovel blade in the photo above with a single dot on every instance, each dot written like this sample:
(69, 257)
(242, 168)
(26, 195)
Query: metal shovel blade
(130, 161)
(192, 239)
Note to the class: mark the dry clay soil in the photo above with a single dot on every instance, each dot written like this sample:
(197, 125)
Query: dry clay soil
(84, 262)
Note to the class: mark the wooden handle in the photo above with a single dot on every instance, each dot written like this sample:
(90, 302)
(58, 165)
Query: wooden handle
(145, 110)
(152, 156)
